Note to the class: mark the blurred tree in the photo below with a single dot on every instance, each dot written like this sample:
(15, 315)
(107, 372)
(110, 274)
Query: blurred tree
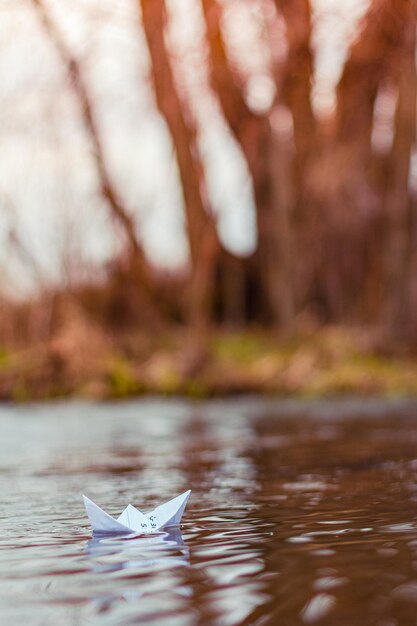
(336, 219)
(201, 230)
(296, 81)
(345, 184)
(399, 243)
(272, 260)
(138, 263)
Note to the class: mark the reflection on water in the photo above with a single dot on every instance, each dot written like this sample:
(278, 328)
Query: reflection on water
(301, 513)
(164, 550)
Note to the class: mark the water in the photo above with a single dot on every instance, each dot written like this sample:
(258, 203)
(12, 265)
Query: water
(301, 513)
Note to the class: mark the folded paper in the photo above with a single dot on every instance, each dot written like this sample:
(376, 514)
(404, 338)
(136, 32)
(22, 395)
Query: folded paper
(133, 521)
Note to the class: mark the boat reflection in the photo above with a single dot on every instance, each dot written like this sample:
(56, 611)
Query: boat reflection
(113, 553)
(140, 558)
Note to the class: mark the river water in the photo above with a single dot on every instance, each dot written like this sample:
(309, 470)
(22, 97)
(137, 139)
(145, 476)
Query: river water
(301, 513)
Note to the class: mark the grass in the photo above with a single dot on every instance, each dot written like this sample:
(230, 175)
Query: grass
(326, 362)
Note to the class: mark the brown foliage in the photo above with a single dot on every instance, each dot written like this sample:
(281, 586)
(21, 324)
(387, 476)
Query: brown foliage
(336, 221)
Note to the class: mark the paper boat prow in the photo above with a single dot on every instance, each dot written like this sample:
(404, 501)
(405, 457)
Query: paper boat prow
(170, 513)
(101, 521)
(132, 520)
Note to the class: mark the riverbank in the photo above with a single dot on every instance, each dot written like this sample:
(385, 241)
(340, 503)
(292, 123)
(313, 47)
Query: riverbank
(83, 362)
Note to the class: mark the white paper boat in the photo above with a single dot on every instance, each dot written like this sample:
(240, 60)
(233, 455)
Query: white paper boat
(133, 521)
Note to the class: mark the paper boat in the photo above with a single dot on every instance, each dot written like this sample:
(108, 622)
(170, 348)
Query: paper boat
(133, 521)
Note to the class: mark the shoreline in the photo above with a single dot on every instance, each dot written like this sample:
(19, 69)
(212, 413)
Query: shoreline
(328, 363)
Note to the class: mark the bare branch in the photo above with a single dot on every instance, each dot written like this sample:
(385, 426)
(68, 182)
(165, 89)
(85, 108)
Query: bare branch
(108, 191)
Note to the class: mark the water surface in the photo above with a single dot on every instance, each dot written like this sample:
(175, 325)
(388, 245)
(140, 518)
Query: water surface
(301, 513)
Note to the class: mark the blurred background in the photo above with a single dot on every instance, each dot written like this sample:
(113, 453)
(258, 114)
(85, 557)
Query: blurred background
(207, 196)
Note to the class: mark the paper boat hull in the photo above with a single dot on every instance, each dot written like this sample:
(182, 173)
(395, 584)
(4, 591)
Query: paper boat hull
(133, 521)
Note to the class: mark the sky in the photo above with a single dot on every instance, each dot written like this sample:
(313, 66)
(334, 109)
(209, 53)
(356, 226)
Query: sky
(48, 184)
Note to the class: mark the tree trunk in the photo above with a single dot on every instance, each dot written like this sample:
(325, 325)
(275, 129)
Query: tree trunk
(371, 60)
(201, 230)
(346, 207)
(396, 317)
(295, 91)
(254, 135)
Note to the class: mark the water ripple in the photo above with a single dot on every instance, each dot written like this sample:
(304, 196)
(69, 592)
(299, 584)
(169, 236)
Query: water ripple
(293, 519)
